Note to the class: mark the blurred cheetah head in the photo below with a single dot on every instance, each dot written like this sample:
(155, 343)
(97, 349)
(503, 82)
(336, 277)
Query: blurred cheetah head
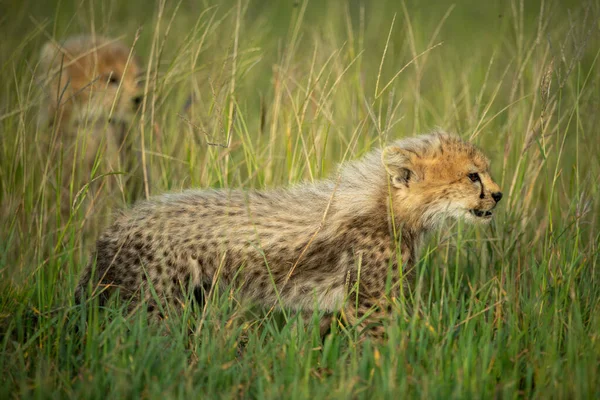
(439, 175)
(91, 78)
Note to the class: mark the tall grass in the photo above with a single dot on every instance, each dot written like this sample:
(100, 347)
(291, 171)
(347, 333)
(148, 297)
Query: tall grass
(280, 93)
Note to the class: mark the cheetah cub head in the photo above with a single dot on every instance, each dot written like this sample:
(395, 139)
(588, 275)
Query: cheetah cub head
(439, 175)
(91, 78)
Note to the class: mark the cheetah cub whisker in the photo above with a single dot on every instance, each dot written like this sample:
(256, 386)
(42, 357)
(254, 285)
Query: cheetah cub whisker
(379, 207)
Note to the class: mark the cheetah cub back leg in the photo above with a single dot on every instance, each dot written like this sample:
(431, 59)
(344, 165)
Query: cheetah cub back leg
(169, 293)
(161, 291)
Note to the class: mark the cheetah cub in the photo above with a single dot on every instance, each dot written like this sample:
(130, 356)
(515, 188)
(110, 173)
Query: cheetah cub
(91, 94)
(302, 247)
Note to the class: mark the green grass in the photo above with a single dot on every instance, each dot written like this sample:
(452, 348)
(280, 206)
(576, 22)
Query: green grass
(509, 310)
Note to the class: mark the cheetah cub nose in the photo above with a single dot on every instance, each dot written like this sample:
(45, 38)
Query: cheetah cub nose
(497, 196)
(137, 101)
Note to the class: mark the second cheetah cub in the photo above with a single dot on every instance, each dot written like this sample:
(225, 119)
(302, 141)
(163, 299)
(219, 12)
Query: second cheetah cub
(300, 247)
(91, 96)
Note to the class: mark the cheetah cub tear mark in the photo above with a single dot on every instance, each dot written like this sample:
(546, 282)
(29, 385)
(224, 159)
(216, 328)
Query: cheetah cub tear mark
(334, 234)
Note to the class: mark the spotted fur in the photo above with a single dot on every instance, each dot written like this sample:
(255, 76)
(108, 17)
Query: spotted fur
(307, 245)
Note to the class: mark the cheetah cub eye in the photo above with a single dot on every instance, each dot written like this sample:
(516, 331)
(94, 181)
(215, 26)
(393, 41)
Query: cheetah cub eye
(111, 78)
(474, 177)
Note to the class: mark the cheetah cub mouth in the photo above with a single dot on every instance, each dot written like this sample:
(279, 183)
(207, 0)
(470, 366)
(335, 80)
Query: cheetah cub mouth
(481, 213)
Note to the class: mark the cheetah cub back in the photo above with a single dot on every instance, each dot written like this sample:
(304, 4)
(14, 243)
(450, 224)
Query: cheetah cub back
(305, 245)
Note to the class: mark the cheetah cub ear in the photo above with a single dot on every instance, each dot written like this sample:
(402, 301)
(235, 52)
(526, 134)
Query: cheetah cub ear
(399, 164)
